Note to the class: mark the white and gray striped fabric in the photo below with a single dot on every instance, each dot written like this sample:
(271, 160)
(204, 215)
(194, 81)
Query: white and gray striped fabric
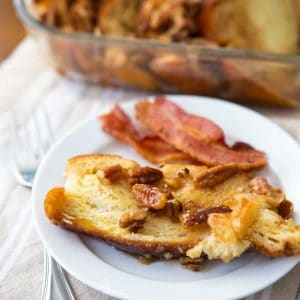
(26, 80)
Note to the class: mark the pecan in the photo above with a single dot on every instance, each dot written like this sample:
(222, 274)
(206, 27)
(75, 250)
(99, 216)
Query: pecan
(196, 216)
(174, 208)
(148, 196)
(145, 175)
(285, 209)
(191, 264)
(215, 175)
(110, 174)
(133, 220)
(260, 185)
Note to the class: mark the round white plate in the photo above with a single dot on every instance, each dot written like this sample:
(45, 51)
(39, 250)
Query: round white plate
(121, 275)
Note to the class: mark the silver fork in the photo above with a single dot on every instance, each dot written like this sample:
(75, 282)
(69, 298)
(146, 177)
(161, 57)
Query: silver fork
(31, 140)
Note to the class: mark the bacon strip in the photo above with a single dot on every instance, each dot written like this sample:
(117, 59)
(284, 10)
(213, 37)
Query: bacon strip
(118, 124)
(196, 125)
(177, 132)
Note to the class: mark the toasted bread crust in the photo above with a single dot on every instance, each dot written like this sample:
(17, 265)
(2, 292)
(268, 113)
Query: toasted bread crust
(155, 249)
(53, 204)
(87, 205)
(248, 27)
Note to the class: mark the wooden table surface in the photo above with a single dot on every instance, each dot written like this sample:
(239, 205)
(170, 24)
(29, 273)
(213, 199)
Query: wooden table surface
(12, 31)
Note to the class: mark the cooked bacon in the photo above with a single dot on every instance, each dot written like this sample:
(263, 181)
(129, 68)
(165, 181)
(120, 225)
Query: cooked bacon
(178, 132)
(240, 146)
(196, 125)
(118, 124)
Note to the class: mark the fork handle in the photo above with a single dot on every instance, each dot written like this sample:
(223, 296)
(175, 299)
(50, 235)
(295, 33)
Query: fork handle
(47, 280)
(49, 266)
(64, 281)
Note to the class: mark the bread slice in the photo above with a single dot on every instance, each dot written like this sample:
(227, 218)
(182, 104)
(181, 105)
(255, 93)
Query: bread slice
(246, 215)
(269, 25)
(274, 236)
(85, 206)
(118, 17)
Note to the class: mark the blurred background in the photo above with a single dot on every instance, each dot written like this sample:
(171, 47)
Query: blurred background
(11, 32)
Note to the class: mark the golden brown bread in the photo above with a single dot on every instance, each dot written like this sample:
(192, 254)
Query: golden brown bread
(284, 240)
(269, 25)
(93, 204)
(86, 206)
(118, 17)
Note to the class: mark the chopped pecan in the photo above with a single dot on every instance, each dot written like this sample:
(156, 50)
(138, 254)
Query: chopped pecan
(148, 196)
(145, 175)
(285, 209)
(174, 208)
(113, 173)
(196, 216)
(191, 264)
(260, 185)
(133, 220)
(110, 174)
(215, 175)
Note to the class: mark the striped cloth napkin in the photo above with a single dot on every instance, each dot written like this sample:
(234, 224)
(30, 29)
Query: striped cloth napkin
(26, 81)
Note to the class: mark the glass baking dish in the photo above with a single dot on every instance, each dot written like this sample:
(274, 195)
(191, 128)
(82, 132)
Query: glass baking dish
(233, 74)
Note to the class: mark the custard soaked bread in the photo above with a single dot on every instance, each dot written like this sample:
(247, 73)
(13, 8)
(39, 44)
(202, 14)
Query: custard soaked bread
(182, 211)
(269, 25)
(94, 206)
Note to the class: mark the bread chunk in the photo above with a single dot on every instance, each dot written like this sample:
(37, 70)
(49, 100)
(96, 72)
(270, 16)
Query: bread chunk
(99, 200)
(269, 25)
(118, 17)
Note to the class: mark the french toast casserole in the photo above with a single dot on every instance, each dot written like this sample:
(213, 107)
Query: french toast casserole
(196, 205)
(178, 46)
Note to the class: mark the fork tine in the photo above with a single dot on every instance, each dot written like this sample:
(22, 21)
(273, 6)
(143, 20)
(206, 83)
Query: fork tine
(31, 147)
(43, 129)
(15, 133)
(22, 145)
(48, 124)
(38, 133)
(18, 152)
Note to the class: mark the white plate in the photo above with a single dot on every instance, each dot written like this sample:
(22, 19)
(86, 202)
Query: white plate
(119, 274)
